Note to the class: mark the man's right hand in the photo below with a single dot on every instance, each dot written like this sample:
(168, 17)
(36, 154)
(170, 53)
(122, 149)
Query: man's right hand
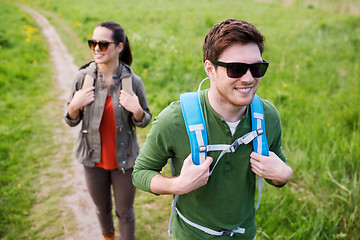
(194, 176)
(191, 178)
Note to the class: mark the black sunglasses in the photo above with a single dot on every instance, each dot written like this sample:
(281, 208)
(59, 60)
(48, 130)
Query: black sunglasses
(103, 44)
(236, 69)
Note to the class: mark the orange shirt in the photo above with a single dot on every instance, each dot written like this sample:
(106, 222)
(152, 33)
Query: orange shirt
(108, 137)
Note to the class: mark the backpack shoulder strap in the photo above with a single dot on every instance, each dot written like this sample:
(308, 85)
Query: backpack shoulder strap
(196, 128)
(258, 121)
(195, 124)
(88, 81)
(260, 143)
(127, 84)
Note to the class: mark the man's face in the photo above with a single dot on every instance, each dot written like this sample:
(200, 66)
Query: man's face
(236, 91)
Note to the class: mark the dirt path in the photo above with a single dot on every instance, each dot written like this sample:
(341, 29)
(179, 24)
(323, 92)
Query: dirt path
(79, 200)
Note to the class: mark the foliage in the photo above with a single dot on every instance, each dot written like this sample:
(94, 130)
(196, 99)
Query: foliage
(26, 126)
(313, 80)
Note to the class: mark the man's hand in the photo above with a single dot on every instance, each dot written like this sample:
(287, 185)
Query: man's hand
(194, 176)
(191, 178)
(271, 167)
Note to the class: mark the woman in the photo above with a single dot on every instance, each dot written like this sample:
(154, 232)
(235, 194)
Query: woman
(107, 144)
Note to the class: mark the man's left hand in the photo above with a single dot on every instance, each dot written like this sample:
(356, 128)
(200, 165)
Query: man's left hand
(270, 167)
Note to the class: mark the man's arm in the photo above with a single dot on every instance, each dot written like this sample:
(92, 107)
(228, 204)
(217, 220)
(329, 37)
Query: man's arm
(191, 177)
(271, 167)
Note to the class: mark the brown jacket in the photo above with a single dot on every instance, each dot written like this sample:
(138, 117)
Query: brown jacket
(87, 149)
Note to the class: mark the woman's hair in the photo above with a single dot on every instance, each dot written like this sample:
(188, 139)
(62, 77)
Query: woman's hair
(228, 32)
(119, 36)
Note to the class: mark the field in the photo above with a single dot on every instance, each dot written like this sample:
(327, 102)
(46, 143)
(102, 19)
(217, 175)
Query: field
(313, 80)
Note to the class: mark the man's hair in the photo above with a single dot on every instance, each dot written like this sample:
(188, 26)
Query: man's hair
(228, 32)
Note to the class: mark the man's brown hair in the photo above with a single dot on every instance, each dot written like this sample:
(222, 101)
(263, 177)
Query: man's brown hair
(228, 32)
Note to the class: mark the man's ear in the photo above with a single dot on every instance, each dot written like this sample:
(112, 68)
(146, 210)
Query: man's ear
(209, 69)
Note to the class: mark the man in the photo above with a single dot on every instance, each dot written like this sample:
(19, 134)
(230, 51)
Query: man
(223, 203)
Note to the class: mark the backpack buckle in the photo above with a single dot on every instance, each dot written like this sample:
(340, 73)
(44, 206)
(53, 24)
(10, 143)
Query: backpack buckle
(203, 148)
(227, 233)
(259, 131)
(234, 146)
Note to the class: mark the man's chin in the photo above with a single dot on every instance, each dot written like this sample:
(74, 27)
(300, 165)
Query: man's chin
(245, 100)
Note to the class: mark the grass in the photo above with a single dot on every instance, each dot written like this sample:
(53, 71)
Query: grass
(27, 147)
(21, 85)
(313, 80)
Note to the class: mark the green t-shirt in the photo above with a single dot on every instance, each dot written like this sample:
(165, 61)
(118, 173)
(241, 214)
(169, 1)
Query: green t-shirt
(227, 200)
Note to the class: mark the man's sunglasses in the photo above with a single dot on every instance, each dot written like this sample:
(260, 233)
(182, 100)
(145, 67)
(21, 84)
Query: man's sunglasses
(103, 44)
(236, 69)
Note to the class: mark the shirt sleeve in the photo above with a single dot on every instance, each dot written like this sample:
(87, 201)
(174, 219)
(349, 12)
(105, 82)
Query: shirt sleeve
(156, 151)
(273, 131)
(75, 87)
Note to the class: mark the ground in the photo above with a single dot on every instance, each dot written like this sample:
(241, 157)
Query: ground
(78, 198)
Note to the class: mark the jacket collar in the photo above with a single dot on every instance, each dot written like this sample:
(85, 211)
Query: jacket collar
(123, 71)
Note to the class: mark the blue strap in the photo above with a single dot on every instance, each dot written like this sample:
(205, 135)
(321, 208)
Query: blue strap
(258, 121)
(196, 129)
(195, 124)
(260, 142)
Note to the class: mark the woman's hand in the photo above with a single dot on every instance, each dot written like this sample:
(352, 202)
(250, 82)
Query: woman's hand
(81, 98)
(131, 103)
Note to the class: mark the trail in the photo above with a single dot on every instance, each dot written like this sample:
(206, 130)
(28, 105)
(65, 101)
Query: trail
(79, 200)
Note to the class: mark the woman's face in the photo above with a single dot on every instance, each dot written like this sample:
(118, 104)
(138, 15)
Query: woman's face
(112, 52)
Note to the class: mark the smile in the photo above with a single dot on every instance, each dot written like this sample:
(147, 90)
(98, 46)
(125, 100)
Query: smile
(98, 55)
(243, 90)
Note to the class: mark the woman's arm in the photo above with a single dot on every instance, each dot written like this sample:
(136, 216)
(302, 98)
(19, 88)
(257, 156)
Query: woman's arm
(136, 103)
(80, 100)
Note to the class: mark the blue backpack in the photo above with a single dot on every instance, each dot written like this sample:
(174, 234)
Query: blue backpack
(196, 128)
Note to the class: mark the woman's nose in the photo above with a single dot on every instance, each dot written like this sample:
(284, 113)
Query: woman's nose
(97, 48)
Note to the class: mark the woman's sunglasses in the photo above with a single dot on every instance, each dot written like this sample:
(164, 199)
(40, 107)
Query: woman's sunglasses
(236, 69)
(103, 44)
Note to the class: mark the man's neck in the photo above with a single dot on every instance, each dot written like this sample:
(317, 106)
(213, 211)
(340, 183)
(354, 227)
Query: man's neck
(226, 110)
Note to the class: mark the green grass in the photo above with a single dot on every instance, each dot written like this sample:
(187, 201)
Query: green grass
(26, 128)
(313, 80)
(22, 85)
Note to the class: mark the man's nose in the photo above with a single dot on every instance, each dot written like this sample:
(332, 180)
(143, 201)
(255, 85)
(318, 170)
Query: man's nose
(247, 77)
